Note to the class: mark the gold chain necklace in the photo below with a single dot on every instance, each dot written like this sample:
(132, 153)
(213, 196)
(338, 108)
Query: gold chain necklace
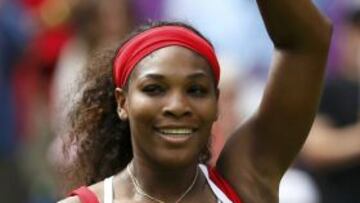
(143, 193)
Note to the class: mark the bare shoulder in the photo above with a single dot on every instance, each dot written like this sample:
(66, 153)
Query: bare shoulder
(74, 199)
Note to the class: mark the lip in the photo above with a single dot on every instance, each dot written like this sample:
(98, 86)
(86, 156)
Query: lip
(178, 139)
(174, 125)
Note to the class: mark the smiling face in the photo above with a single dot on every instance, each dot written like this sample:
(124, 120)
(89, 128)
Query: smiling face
(171, 104)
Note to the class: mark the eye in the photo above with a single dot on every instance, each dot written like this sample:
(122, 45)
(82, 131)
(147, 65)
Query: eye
(197, 90)
(153, 89)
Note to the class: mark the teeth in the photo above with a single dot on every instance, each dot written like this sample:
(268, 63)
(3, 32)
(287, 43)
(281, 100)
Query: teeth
(176, 131)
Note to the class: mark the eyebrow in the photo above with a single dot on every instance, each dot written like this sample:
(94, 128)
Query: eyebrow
(154, 76)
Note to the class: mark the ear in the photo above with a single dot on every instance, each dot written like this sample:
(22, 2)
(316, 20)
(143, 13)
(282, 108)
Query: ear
(217, 94)
(121, 98)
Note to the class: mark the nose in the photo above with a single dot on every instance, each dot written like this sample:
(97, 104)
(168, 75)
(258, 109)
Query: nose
(177, 105)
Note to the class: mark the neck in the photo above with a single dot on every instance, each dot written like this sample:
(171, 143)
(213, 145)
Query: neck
(162, 182)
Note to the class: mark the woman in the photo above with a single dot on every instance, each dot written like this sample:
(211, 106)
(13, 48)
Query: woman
(148, 127)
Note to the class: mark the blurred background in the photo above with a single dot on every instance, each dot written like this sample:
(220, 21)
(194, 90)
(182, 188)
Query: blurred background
(45, 43)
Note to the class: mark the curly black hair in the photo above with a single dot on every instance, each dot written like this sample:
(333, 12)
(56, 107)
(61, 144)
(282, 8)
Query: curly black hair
(102, 140)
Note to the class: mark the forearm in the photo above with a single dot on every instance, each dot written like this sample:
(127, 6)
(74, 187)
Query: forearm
(332, 147)
(295, 24)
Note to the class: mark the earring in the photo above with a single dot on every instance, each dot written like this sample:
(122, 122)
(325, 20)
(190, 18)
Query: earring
(122, 114)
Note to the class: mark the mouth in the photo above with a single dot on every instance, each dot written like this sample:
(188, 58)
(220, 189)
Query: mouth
(176, 135)
(177, 131)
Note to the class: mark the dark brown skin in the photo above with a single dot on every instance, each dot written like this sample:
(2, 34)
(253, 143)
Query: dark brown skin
(174, 87)
(259, 152)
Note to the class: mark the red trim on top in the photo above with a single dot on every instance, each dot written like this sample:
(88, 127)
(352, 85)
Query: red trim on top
(224, 185)
(85, 195)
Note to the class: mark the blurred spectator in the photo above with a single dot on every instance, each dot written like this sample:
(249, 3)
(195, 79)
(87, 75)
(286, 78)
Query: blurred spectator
(14, 33)
(35, 68)
(332, 152)
(32, 81)
(97, 24)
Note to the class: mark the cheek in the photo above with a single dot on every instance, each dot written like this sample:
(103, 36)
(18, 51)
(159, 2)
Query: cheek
(208, 110)
(141, 108)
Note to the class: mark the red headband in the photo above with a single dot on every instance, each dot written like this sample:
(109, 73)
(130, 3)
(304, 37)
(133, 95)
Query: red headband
(144, 43)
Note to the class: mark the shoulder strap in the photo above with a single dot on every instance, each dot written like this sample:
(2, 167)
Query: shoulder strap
(85, 195)
(220, 195)
(108, 190)
(223, 185)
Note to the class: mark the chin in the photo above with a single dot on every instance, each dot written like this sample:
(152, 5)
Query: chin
(177, 160)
